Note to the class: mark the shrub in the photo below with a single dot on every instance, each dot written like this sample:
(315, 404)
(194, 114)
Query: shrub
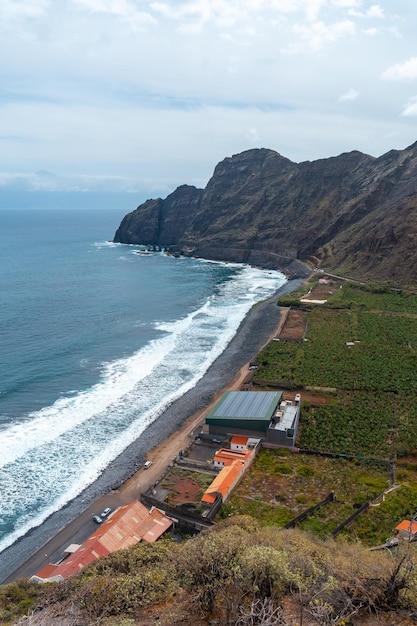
(301, 498)
(305, 471)
(17, 599)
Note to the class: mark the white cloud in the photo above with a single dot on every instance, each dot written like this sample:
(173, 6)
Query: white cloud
(230, 12)
(317, 36)
(410, 109)
(19, 16)
(374, 11)
(401, 71)
(83, 93)
(252, 136)
(124, 9)
(16, 9)
(227, 37)
(346, 3)
(370, 32)
(352, 94)
(220, 12)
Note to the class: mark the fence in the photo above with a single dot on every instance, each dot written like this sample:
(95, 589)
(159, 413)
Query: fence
(310, 511)
(350, 519)
(190, 521)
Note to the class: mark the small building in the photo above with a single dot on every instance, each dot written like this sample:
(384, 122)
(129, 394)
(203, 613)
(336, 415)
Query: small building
(283, 427)
(240, 442)
(226, 456)
(224, 483)
(128, 525)
(407, 530)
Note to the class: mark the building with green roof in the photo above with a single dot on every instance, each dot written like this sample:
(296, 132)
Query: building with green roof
(261, 414)
(243, 412)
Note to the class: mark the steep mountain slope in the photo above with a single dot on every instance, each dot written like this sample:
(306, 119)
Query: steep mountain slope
(352, 213)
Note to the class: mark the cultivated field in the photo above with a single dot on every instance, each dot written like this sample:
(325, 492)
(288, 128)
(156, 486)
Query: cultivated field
(362, 345)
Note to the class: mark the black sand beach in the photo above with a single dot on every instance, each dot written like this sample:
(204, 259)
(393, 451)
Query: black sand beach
(252, 334)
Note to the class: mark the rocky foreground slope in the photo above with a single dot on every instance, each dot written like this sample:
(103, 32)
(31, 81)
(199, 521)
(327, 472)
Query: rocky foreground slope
(353, 214)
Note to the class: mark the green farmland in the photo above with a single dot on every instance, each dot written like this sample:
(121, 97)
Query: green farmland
(363, 344)
(357, 369)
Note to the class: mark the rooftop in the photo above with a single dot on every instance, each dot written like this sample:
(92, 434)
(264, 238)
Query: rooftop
(223, 482)
(246, 405)
(125, 527)
(227, 456)
(407, 526)
(285, 417)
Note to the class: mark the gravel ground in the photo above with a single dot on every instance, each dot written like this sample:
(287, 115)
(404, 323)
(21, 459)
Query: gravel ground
(252, 334)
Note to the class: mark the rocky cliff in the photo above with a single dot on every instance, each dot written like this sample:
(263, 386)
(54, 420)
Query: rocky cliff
(353, 213)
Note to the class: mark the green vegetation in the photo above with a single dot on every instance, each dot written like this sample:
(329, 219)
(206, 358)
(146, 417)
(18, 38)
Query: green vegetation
(293, 298)
(238, 573)
(357, 424)
(384, 357)
(374, 297)
(378, 523)
(364, 344)
(275, 498)
(16, 599)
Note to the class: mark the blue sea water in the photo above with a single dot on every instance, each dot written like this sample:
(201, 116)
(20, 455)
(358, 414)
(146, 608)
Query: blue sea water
(91, 335)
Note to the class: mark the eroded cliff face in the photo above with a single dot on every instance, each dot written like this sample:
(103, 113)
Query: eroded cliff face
(352, 213)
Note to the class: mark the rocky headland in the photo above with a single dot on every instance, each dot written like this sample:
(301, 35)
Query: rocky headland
(353, 214)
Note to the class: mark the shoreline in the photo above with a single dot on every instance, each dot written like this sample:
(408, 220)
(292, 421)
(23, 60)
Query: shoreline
(119, 482)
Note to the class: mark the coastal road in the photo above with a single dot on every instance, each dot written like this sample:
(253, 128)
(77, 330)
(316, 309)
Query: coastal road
(77, 531)
(80, 528)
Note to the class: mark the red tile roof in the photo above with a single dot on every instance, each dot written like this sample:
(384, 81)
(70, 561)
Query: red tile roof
(407, 526)
(124, 528)
(239, 440)
(224, 482)
(226, 456)
(48, 571)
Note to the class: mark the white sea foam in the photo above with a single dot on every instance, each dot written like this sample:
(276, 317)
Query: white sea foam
(63, 448)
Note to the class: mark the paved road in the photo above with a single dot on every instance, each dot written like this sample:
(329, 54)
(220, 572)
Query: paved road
(76, 531)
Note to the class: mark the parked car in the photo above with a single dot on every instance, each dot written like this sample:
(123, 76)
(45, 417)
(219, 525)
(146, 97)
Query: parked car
(147, 464)
(215, 440)
(97, 519)
(105, 513)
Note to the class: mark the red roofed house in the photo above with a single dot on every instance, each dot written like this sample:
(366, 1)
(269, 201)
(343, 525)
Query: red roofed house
(225, 456)
(407, 530)
(224, 483)
(239, 442)
(127, 526)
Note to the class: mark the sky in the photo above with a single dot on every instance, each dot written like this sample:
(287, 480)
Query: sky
(142, 96)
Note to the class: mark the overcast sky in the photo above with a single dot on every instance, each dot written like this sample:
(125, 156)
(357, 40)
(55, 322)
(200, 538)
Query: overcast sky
(133, 94)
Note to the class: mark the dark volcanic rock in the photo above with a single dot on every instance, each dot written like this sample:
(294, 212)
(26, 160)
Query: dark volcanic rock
(352, 213)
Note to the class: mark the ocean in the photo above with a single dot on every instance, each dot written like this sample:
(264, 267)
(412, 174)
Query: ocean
(96, 341)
